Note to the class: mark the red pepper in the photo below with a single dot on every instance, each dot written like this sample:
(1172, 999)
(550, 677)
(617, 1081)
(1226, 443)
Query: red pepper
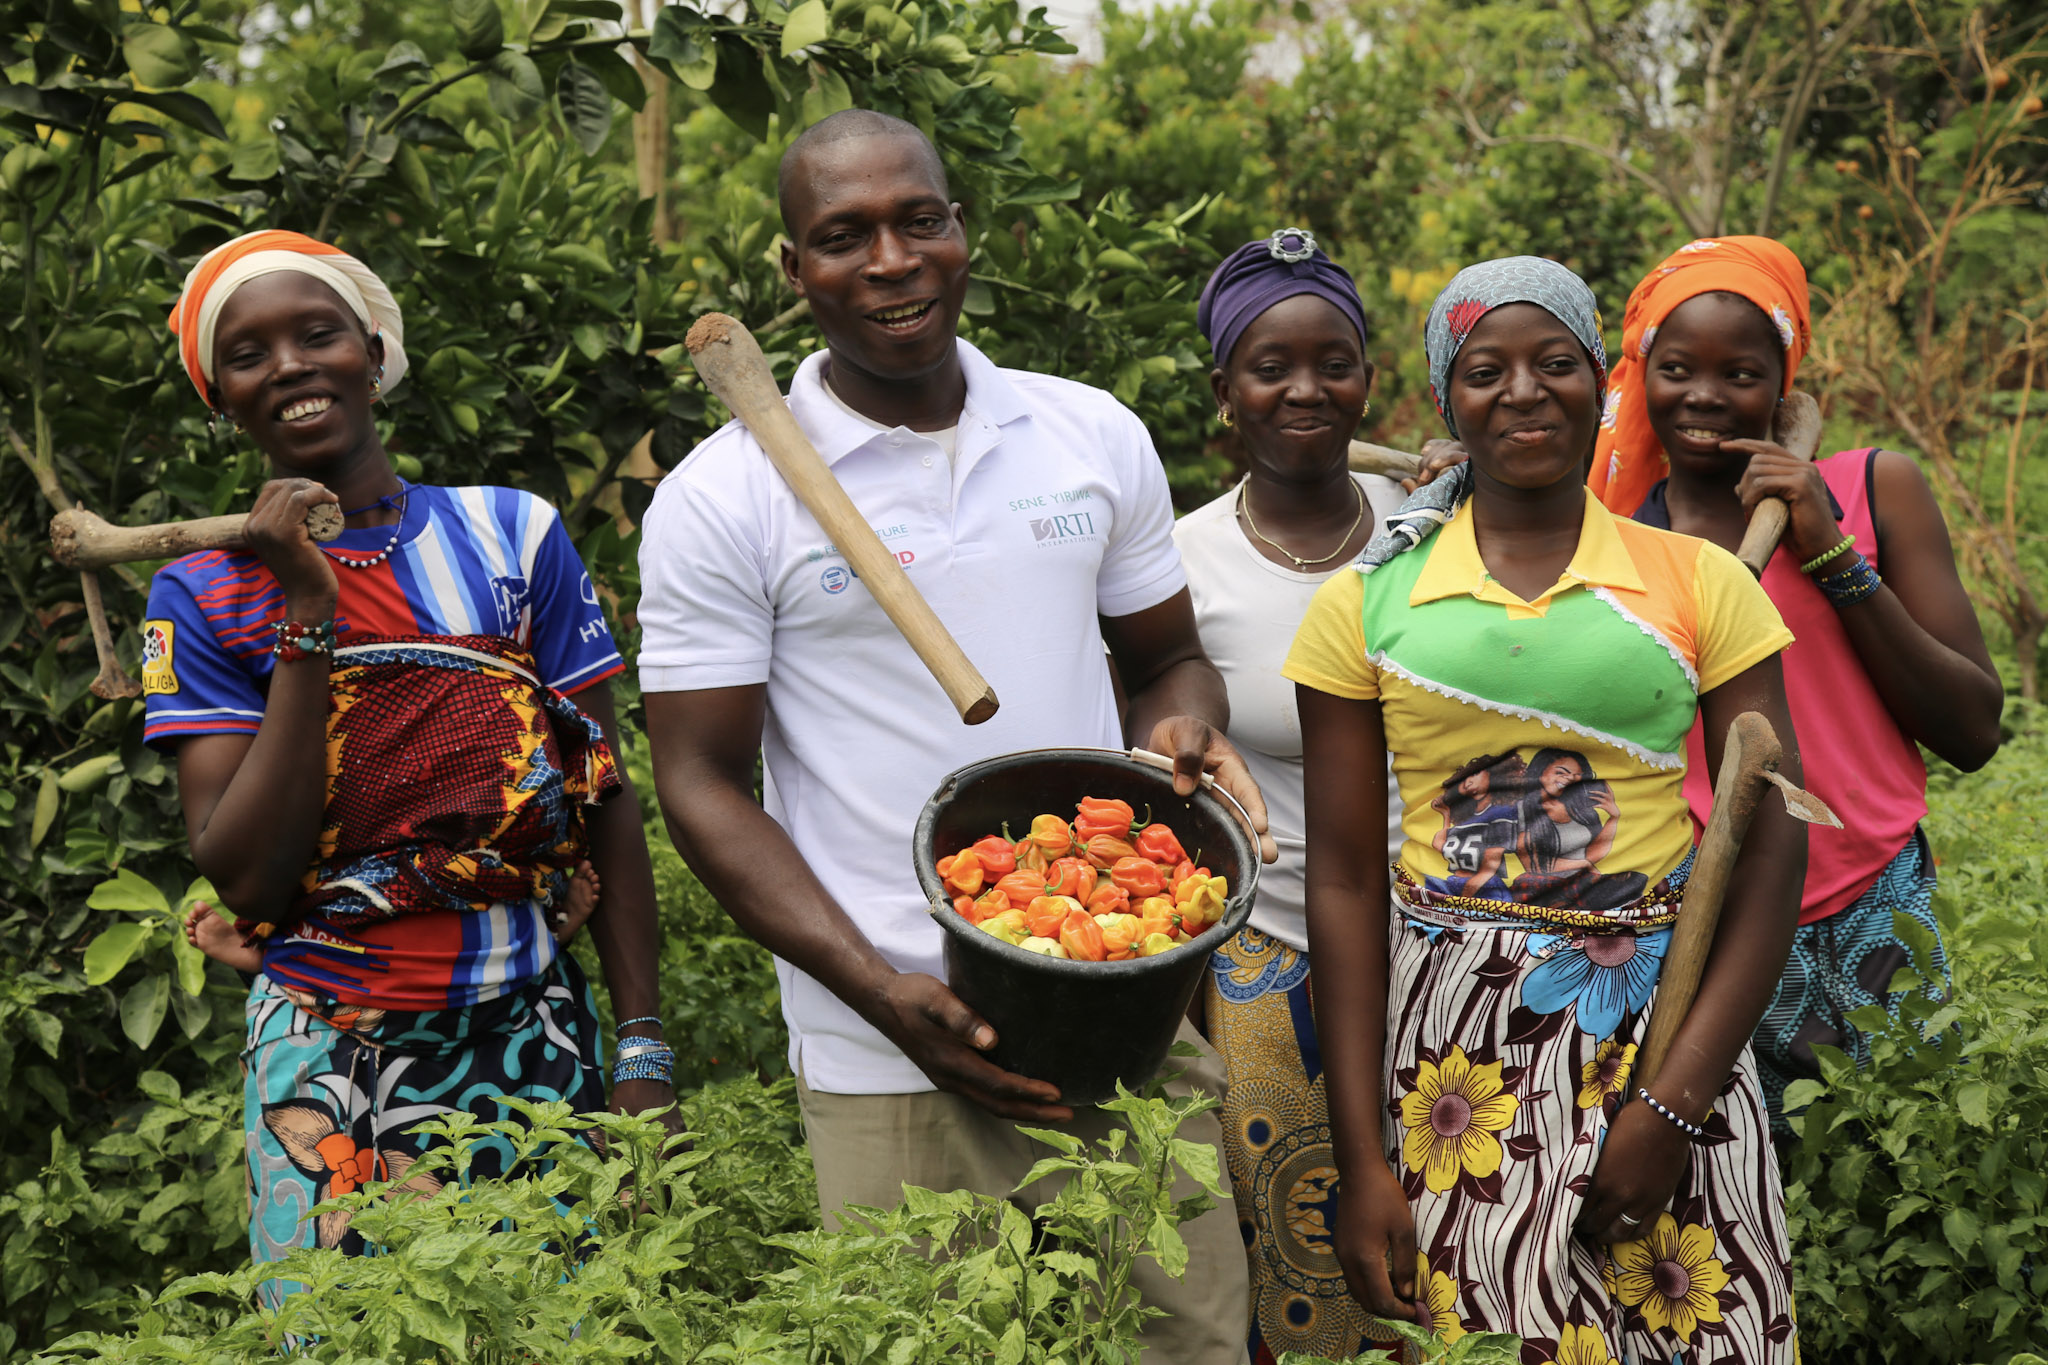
(1104, 849)
(962, 872)
(1095, 815)
(1137, 876)
(998, 856)
(1108, 899)
(1070, 877)
(1157, 843)
(1022, 887)
(1082, 938)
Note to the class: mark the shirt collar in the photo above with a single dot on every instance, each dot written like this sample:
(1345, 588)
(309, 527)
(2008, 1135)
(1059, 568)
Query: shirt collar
(837, 433)
(1454, 566)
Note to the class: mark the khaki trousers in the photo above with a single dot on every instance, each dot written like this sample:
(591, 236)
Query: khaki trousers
(867, 1147)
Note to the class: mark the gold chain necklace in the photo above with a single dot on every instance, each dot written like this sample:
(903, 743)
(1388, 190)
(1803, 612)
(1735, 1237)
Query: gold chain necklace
(1244, 507)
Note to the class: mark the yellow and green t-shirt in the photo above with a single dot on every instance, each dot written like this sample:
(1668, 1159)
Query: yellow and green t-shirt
(1540, 746)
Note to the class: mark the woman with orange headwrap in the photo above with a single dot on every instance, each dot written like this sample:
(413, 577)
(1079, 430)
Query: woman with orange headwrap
(381, 767)
(1711, 343)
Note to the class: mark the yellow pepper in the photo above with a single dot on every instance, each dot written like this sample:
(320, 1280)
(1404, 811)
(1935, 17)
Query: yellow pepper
(1044, 947)
(1152, 945)
(1008, 926)
(1200, 901)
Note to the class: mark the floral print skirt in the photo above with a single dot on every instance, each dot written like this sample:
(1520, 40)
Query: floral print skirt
(1508, 1052)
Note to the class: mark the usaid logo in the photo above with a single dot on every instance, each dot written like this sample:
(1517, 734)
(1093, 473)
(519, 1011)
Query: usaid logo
(1067, 526)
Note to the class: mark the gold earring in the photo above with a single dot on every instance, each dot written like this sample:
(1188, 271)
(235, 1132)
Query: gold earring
(1223, 416)
(1367, 408)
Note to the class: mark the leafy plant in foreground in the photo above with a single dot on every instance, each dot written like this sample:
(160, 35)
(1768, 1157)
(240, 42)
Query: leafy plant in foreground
(601, 1252)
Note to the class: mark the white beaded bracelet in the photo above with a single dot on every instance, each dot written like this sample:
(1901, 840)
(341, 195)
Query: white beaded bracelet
(1691, 1130)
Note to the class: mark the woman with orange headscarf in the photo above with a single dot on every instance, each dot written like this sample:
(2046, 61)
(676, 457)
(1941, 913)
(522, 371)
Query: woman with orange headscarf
(391, 751)
(1884, 662)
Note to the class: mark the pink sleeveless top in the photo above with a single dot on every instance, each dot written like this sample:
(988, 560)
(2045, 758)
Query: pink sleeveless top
(1854, 755)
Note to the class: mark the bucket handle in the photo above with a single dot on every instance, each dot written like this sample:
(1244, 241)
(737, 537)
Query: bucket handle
(1165, 764)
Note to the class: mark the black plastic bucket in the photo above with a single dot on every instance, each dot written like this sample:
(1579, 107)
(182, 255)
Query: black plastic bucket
(1083, 1026)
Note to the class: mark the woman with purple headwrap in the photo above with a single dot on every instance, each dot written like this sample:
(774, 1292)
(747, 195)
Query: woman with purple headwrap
(1503, 1167)
(1291, 378)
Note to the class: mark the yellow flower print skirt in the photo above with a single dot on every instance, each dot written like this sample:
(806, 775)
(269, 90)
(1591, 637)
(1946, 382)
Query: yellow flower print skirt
(1509, 1051)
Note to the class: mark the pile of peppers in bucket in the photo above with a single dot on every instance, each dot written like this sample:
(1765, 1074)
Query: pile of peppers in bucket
(1104, 888)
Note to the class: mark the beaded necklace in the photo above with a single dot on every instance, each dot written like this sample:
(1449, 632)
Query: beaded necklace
(398, 500)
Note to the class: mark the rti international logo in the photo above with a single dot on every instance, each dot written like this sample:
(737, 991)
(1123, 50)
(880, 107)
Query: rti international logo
(1065, 526)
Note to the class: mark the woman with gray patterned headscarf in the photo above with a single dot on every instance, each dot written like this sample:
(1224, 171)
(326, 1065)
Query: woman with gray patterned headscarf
(1480, 1005)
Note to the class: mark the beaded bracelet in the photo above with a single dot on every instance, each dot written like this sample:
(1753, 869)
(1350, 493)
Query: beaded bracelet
(295, 640)
(656, 1063)
(1826, 556)
(625, 1024)
(1851, 583)
(1691, 1130)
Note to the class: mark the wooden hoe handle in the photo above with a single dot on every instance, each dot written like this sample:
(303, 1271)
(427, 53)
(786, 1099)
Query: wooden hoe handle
(1797, 428)
(81, 540)
(730, 360)
(1752, 753)
(1367, 458)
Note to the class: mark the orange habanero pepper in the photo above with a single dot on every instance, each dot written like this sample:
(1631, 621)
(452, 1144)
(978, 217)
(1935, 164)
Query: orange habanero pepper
(1157, 843)
(1137, 876)
(1070, 877)
(1022, 887)
(962, 873)
(1052, 834)
(997, 856)
(1104, 849)
(1045, 915)
(1082, 939)
(1094, 816)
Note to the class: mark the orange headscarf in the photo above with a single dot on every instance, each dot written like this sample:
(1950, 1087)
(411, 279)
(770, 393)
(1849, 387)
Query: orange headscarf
(230, 265)
(1627, 460)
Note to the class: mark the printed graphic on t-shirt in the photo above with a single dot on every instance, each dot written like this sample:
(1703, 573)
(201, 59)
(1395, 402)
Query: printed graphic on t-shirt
(158, 675)
(1533, 831)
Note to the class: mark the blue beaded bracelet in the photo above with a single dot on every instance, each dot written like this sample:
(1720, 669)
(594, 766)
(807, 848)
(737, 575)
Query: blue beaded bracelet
(1850, 584)
(645, 1064)
(625, 1024)
(1691, 1130)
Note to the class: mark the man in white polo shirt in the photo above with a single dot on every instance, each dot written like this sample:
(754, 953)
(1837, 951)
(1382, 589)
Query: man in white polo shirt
(1032, 513)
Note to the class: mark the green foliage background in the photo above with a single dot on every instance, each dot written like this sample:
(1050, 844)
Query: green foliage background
(480, 156)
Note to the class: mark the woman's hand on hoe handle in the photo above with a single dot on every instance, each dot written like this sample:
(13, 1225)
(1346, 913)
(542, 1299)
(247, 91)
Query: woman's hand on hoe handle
(1775, 472)
(1437, 456)
(276, 533)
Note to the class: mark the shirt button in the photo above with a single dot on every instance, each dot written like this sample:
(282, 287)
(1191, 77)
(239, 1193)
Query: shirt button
(927, 462)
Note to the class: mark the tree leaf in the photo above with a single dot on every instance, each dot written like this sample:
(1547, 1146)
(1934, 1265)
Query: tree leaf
(479, 28)
(256, 161)
(586, 106)
(515, 85)
(187, 109)
(404, 60)
(144, 1007)
(127, 891)
(682, 46)
(808, 23)
(47, 797)
(110, 950)
(1973, 1102)
(158, 55)
(1963, 1229)
(741, 92)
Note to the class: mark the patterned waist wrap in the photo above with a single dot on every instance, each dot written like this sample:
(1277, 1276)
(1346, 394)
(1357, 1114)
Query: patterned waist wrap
(1568, 913)
(453, 777)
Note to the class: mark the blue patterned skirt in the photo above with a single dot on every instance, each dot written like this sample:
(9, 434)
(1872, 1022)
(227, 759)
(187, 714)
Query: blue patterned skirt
(1841, 964)
(329, 1092)
(1276, 1138)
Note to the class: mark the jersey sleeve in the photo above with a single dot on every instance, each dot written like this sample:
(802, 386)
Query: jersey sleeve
(1739, 626)
(1140, 566)
(571, 642)
(1329, 649)
(705, 616)
(191, 684)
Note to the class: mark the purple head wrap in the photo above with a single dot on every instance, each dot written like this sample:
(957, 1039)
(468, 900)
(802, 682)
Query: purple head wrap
(1259, 274)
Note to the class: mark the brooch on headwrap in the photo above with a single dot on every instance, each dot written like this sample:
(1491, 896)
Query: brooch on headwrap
(1292, 245)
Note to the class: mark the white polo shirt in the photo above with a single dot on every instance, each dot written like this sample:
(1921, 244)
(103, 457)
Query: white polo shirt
(1052, 509)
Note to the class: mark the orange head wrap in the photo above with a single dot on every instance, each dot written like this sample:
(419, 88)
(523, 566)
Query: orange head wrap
(1627, 460)
(230, 265)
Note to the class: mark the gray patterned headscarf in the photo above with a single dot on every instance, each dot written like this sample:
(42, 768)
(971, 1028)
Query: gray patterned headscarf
(1472, 293)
